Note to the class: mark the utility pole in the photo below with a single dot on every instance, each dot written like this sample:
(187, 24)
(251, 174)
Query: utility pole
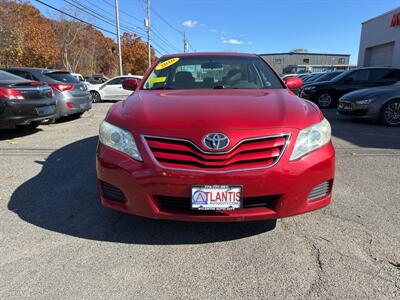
(118, 39)
(147, 25)
(185, 43)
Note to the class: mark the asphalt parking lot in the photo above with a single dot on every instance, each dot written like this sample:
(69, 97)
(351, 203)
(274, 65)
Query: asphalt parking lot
(57, 241)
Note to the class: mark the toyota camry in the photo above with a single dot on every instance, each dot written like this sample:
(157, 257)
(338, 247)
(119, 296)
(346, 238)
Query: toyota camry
(214, 137)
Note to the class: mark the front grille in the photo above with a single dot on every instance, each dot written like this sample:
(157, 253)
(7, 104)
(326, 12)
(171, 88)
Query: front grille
(182, 204)
(320, 191)
(111, 192)
(251, 153)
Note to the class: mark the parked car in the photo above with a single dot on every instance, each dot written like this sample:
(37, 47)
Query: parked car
(78, 76)
(96, 79)
(313, 77)
(71, 95)
(327, 93)
(24, 103)
(234, 145)
(328, 76)
(112, 89)
(379, 103)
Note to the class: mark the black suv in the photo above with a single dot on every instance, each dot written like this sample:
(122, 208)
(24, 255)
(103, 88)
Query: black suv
(327, 93)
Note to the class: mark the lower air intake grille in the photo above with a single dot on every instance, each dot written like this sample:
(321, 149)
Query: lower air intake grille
(320, 191)
(112, 192)
(183, 204)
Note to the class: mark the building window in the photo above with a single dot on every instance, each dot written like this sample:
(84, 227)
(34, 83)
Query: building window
(306, 60)
(278, 61)
(341, 60)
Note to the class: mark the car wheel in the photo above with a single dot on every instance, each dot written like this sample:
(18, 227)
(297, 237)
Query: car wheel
(390, 114)
(95, 97)
(324, 100)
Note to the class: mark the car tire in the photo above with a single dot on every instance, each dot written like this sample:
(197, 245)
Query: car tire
(96, 98)
(390, 113)
(324, 99)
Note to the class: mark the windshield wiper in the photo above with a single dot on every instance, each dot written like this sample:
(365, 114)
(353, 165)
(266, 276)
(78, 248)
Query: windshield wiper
(221, 87)
(162, 88)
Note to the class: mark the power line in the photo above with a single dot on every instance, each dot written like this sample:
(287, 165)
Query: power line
(75, 18)
(109, 21)
(122, 12)
(106, 12)
(165, 21)
(95, 14)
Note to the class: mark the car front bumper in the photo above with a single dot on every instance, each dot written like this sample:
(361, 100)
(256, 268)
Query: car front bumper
(23, 112)
(354, 110)
(143, 184)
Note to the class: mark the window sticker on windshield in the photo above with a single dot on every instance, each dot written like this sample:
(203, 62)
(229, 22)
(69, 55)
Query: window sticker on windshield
(157, 79)
(167, 63)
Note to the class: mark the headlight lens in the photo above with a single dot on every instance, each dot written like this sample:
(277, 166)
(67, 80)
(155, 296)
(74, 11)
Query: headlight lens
(366, 101)
(119, 139)
(311, 138)
(308, 88)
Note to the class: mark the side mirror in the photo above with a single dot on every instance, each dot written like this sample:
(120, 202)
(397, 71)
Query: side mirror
(294, 83)
(130, 84)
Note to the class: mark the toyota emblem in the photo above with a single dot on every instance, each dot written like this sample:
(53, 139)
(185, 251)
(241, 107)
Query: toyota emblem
(216, 141)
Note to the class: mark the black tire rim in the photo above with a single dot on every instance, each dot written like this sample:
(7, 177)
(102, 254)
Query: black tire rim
(392, 113)
(95, 97)
(324, 100)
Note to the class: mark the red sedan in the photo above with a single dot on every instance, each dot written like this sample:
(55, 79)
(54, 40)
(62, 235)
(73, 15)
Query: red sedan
(214, 137)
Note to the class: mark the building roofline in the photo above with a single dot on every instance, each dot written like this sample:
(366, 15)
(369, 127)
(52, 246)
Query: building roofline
(303, 53)
(381, 15)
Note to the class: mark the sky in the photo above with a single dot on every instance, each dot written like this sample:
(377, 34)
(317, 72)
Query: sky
(254, 26)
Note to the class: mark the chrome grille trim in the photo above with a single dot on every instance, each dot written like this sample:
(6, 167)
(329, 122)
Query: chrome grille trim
(287, 137)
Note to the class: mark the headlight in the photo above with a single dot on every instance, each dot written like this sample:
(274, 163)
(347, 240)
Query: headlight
(311, 138)
(309, 88)
(119, 139)
(366, 101)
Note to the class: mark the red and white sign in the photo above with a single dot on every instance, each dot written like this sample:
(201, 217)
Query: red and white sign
(216, 197)
(395, 20)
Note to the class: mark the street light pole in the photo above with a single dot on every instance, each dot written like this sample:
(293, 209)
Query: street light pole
(118, 39)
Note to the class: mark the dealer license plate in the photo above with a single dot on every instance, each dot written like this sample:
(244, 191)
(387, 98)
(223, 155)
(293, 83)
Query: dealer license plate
(216, 197)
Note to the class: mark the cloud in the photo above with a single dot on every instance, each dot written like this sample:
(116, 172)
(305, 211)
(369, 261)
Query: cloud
(190, 23)
(213, 30)
(250, 43)
(232, 41)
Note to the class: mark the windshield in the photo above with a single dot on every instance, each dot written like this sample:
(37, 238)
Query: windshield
(327, 76)
(340, 76)
(63, 77)
(212, 72)
(5, 76)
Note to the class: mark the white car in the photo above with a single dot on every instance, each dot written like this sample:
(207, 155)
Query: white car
(111, 89)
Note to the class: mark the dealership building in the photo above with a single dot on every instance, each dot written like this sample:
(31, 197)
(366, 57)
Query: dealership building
(303, 62)
(380, 41)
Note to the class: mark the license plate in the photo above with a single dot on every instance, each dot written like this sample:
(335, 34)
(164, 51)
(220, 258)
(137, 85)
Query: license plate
(45, 110)
(216, 197)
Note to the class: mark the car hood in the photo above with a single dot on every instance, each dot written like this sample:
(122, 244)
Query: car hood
(369, 92)
(214, 110)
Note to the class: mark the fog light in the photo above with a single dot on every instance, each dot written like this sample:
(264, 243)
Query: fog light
(320, 191)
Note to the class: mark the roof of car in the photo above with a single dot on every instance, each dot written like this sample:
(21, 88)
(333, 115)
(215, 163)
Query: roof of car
(35, 69)
(210, 54)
